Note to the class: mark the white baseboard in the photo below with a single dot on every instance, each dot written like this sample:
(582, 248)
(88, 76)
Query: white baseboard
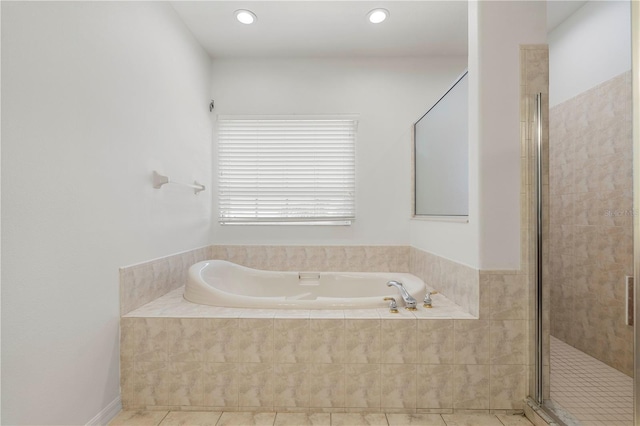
(107, 414)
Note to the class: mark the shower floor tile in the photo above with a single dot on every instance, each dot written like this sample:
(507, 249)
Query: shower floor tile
(588, 389)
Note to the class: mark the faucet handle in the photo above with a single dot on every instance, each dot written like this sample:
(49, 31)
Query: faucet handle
(393, 306)
(428, 303)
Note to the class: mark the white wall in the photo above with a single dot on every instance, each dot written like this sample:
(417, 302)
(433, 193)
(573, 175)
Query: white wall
(592, 46)
(94, 97)
(455, 240)
(503, 27)
(389, 94)
(491, 239)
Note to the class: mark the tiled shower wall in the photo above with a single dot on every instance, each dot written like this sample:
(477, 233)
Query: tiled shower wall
(591, 214)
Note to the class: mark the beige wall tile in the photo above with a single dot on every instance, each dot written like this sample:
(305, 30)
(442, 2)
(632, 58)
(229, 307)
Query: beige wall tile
(508, 342)
(184, 339)
(434, 386)
(435, 341)
(591, 151)
(317, 258)
(221, 338)
(507, 386)
(255, 385)
(142, 283)
(508, 296)
(471, 387)
(355, 256)
(326, 385)
(362, 385)
(456, 281)
(185, 383)
(362, 340)
(337, 259)
(471, 345)
(484, 298)
(326, 341)
(146, 394)
(398, 384)
(127, 381)
(220, 385)
(255, 342)
(127, 339)
(150, 340)
(536, 70)
(291, 340)
(398, 341)
(290, 385)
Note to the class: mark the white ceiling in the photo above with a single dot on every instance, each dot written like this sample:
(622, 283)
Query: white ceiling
(327, 28)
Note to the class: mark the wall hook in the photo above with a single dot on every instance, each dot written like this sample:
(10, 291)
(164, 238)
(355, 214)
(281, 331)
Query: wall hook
(211, 105)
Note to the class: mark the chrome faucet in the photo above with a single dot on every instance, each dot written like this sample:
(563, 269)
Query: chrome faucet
(428, 302)
(409, 301)
(393, 306)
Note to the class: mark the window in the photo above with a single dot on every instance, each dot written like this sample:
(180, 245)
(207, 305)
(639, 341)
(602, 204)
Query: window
(286, 170)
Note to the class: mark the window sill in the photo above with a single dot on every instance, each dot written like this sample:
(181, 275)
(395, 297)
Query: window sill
(300, 223)
(454, 219)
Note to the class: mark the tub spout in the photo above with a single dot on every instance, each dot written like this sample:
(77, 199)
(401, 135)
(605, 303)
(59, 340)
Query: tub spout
(409, 301)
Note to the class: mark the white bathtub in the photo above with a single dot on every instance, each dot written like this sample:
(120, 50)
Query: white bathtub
(222, 283)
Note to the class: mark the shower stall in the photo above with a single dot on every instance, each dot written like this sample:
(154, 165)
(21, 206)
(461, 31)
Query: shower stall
(582, 204)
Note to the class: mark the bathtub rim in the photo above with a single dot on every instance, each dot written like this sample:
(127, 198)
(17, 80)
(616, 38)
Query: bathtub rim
(198, 291)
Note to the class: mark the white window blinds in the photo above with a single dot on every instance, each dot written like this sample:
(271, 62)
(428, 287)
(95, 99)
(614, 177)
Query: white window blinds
(285, 171)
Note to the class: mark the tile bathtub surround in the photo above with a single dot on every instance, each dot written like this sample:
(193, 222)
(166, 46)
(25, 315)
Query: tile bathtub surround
(458, 282)
(317, 258)
(225, 359)
(591, 215)
(145, 282)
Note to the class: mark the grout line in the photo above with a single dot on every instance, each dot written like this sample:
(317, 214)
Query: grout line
(219, 417)
(165, 416)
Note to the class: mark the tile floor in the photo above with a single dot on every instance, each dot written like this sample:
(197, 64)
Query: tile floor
(209, 418)
(589, 390)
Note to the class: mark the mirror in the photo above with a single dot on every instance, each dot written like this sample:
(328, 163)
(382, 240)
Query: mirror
(441, 152)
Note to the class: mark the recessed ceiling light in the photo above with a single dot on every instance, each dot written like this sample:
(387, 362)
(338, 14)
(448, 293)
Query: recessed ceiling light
(377, 15)
(245, 16)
